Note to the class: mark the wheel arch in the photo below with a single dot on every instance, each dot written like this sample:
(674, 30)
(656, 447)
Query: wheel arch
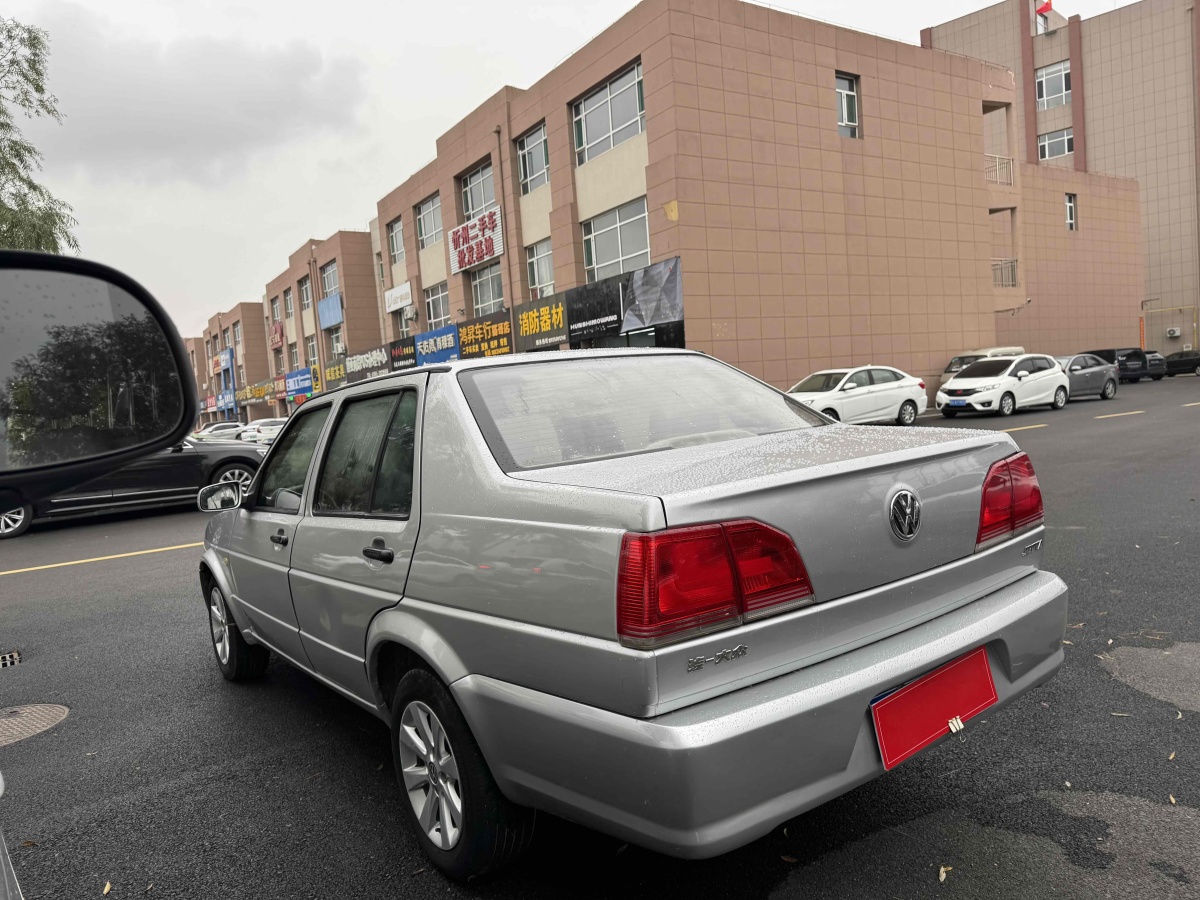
(399, 641)
(212, 572)
(220, 464)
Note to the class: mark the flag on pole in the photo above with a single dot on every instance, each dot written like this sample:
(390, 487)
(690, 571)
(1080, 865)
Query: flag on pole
(1044, 8)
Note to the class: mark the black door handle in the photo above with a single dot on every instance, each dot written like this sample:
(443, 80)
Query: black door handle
(378, 552)
(279, 538)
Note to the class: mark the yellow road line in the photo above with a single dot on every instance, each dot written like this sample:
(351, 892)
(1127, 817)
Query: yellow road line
(1136, 412)
(80, 562)
(1191, 404)
(1026, 427)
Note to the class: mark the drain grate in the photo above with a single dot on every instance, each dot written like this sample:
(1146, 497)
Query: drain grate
(20, 722)
(10, 659)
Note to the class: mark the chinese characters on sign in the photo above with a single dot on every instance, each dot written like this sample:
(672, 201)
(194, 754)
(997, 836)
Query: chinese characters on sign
(478, 241)
(256, 393)
(440, 345)
(485, 336)
(541, 325)
(276, 335)
(281, 388)
(300, 382)
(335, 373)
(361, 366)
(403, 353)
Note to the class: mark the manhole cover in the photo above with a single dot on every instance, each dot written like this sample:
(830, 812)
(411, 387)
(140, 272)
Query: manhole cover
(20, 722)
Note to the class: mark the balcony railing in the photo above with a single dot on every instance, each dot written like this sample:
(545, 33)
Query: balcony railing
(997, 169)
(1004, 273)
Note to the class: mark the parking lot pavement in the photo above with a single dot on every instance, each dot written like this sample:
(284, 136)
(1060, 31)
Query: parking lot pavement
(163, 774)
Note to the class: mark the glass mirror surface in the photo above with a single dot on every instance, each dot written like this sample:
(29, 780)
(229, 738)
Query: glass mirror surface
(85, 370)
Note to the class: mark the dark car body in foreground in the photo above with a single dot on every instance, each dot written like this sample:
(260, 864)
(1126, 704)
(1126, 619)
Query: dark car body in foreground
(169, 477)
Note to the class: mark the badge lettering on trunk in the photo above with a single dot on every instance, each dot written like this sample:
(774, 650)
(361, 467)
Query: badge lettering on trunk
(696, 663)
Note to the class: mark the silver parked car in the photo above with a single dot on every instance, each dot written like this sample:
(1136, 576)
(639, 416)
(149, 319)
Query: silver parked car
(1090, 376)
(636, 589)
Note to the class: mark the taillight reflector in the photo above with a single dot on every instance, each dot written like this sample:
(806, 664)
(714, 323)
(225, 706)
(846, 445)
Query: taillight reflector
(684, 582)
(1011, 501)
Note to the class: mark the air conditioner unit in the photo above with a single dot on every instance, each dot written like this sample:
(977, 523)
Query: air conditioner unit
(338, 349)
(409, 314)
(1174, 331)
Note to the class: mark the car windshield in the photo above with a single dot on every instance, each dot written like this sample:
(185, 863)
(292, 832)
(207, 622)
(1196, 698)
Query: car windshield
(961, 362)
(1064, 361)
(570, 411)
(818, 383)
(986, 368)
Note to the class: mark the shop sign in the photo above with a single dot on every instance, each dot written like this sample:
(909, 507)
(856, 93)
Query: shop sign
(477, 242)
(627, 302)
(398, 297)
(255, 393)
(210, 403)
(541, 325)
(329, 310)
(227, 358)
(335, 372)
(299, 381)
(216, 365)
(440, 345)
(360, 366)
(280, 387)
(403, 353)
(225, 400)
(595, 308)
(485, 336)
(275, 335)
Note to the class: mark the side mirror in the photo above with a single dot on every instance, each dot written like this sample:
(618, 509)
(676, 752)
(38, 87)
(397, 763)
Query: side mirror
(93, 374)
(216, 497)
(1022, 374)
(849, 387)
(1076, 368)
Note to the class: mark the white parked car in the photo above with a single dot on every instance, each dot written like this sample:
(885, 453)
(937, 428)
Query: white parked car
(253, 431)
(963, 360)
(1002, 385)
(864, 394)
(268, 429)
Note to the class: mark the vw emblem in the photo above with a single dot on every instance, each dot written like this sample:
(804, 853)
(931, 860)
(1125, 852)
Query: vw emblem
(905, 515)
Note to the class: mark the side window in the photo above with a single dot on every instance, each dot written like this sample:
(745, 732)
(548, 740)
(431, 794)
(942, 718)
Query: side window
(1042, 364)
(282, 483)
(1024, 364)
(1092, 362)
(394, 484)
(884, 376)
(348, 473)
(862, 379)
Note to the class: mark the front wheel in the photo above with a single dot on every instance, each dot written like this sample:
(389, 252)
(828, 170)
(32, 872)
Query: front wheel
(16, 521)
(237, 659)
(1156, 378)
(237, 473)
(908, 413)
(1197, 370)
(1008, 404)
(1110, 390)
(1060, 398)
(453, 806)
(831, 413)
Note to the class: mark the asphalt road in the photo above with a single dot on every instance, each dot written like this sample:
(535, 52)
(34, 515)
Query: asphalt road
(166, 781)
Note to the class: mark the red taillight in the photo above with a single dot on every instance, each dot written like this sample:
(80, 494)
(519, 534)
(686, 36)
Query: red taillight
(921, 385)
(1011, 502)
(683, 582)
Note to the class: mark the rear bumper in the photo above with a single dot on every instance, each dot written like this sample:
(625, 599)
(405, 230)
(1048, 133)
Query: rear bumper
(718, 774)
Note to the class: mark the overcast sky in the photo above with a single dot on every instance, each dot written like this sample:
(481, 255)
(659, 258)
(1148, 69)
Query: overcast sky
(205, 140)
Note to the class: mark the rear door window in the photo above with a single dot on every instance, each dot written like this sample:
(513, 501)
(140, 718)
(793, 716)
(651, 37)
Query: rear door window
(1042, 364)
(281, 485)
(368, 469)
(884, 376)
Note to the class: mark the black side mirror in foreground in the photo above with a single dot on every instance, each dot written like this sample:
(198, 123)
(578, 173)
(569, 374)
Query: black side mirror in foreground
(93, 375)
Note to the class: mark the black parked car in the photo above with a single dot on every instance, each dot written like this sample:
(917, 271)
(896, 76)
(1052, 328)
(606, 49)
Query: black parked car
(1183, 363)
(1134, 364)
(162, 479)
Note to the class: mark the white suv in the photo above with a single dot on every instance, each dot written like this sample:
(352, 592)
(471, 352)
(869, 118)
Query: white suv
(1001, 385)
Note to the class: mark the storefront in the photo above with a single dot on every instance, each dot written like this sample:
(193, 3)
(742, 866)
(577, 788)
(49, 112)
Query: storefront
(485, 336)
(254, 400)
(643, 308)
(361, 366)
(403, 353)
(301, 385)
(439, 345)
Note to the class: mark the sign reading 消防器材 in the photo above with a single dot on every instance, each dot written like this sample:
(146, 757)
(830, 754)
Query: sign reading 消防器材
(541, 325)
(486, 336)
(477, 242)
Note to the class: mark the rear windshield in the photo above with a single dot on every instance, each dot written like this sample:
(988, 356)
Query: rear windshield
(960, 362)
(986, 368)
(815, 384)
(568, 411)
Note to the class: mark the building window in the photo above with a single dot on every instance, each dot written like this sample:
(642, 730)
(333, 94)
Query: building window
(305, 293)
(478, 192)
(1071, 212)
(1056, 144)
(288, 307)
(329, 279)
(617, 241)
(379, 266)
(437, 306)
(207, 350)
(429, 221)
(241, 376)
(541, 269)
(1043, 23)
(278, 361)
(401, 323)
(1054, 85)
(610, 115)
(847, 97)
(533, 154)
(310, 349)
(395, 236)
(228, 340)
(487, 289)
(237, 334)
(274, 309)
(294, 355)
(336, 347)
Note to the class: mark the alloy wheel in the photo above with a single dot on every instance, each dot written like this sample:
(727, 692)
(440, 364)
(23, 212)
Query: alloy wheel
(12, 520)
(1110, 389)
(430, 774)
(237, 474)
(219, 621)
(908, 414)
(1007, 405)
(1060, 398)
(1198, 370)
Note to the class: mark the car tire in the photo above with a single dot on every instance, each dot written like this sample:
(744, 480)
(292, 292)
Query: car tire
(237, 659)
(492, 831)
(1197, 370)
(949, 413)
(16, 521)
(1109, 391)
(907, 414)
(1007, 409)
(1156, 378)
(832, 414)
(1060, 398)
(241, 473)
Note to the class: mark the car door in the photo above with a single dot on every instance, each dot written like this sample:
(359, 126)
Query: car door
(174, 472)
(1081, 375)
(260, 549)
(887, 393)
(1098, 374)
(352, 550)
(856, 402)
(1044, 371)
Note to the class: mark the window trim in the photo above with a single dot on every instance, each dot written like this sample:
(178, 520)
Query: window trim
(308, 409)
(1072, 204)
(1045, 140)
(330, 266)
(531, 261)
(294, 355)
(289, 307)
(475, 277)
(464, 189)
(844, 121)
(425, 241)
(590, 273)
(275, 309)
(327, 445)
(393, 228)
(445, 292)
(524, 151)
(1062, 68)
(305, 296)
(578, 115)
(314, 359)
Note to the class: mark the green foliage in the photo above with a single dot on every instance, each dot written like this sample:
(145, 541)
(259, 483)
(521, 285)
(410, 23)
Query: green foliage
(31, 218)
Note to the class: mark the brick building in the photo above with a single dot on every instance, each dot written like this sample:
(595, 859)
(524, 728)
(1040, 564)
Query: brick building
(232, 361)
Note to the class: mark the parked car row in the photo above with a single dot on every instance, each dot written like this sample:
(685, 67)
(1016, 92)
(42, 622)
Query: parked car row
(262, 431)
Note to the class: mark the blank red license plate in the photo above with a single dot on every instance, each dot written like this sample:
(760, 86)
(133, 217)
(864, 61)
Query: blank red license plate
(913, 717)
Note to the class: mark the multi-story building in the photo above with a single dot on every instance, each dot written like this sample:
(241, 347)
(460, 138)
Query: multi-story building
(234, 364)
(321, 308)
(200, 368)
(1114, 94)
(781, 193)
